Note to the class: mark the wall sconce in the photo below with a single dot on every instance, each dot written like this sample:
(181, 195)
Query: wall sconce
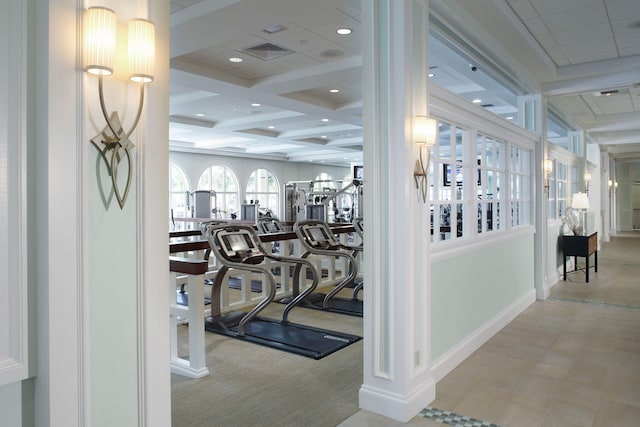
(424, 134)
(99, 51)
(587, 180)
(547, 168)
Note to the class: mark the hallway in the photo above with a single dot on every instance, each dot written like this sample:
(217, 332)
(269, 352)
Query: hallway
(570, 361)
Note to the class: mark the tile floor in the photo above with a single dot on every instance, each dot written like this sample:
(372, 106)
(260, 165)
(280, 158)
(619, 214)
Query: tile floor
(570, 361)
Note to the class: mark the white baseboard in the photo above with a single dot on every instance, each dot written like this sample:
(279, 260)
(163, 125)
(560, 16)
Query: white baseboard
(447, 362)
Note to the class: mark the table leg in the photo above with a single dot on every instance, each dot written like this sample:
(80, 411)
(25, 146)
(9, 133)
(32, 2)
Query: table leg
(586, 260)
(595, 258)
(564, 266)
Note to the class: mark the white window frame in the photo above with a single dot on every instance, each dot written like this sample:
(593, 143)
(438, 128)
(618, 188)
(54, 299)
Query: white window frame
(222, 196)
(264, 196)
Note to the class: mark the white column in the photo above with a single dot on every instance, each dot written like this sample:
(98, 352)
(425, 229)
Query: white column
(532, 115)
(397, 365)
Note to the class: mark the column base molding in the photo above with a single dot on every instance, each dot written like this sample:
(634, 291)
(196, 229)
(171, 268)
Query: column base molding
(400, 407)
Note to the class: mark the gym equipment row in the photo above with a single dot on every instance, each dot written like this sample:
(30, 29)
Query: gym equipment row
(238, 246)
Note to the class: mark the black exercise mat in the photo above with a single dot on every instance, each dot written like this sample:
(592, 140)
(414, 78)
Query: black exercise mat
(294, 338)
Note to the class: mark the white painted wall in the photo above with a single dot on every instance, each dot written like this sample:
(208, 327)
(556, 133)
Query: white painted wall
(90, 266)
(475, 292)
(193, 164)
(627, 195)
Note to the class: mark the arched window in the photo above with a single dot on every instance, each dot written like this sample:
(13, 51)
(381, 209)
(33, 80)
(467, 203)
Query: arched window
(263, 186)
(223, 181)
(178, 187)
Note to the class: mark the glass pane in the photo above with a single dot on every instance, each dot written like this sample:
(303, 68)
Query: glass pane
(499, 149)
(445, 222)
(459, 220)
(204, 183)
(490, 185)
(491, 160)
(480, 148)
(444, 141)
(459, 145)
(251, 183)
(178, 179)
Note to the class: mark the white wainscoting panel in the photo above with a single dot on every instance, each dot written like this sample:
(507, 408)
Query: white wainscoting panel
(13, 236)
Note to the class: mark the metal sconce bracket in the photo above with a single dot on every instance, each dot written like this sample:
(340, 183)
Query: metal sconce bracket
(114, 139)
(420, 174)
(424, 133)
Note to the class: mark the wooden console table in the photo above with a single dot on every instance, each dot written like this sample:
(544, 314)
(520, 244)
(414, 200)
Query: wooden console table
(580, 246)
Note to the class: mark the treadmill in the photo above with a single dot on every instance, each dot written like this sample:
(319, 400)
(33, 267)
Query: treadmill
(237, 246)
(318, 239)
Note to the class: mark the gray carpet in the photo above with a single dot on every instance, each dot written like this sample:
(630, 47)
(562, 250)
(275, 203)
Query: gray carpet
(252, 385)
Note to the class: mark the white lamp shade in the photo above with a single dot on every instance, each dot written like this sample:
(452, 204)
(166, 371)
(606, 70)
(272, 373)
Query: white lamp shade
(580, 201)
(99, 40)
(424, 130)
(142, 48)
(547, 166)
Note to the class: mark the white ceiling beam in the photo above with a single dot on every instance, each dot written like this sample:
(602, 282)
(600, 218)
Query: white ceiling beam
(597, 83)
(197, 77)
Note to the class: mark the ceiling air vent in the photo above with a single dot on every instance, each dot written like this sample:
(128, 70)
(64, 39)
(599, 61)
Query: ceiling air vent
(487, 105)
(266, 51)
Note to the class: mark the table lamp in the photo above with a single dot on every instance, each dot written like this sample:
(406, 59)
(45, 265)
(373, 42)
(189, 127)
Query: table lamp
(580, 201)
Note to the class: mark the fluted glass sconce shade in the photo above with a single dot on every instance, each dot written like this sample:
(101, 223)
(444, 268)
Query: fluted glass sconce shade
(99, 40)
(424, 130)
(99, 44)
(142, 41)
(548, 166)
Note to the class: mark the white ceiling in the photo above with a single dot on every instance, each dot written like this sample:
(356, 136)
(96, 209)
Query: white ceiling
(283, 108)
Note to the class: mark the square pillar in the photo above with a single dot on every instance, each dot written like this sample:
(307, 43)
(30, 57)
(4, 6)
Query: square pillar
(397, 333)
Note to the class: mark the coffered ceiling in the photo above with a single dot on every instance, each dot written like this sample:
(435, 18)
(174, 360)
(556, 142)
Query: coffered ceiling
(296, 94)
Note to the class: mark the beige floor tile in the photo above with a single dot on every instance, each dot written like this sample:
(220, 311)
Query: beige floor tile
(616, 414)
(622, 388)
(570, 414)
(560, 390)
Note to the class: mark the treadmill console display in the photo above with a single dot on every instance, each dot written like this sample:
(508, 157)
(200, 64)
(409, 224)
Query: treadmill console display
(239, 246)
(273, 227)
(317, 236)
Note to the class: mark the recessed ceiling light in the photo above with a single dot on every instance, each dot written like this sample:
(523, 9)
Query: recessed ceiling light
(325, 120)
(509, 117)
(324, 137)
(271, 127)
(431, 75)
(235, 59)
(477, 101)
(343, 31)
(255, 104)
(199, 114)
(334, 90)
